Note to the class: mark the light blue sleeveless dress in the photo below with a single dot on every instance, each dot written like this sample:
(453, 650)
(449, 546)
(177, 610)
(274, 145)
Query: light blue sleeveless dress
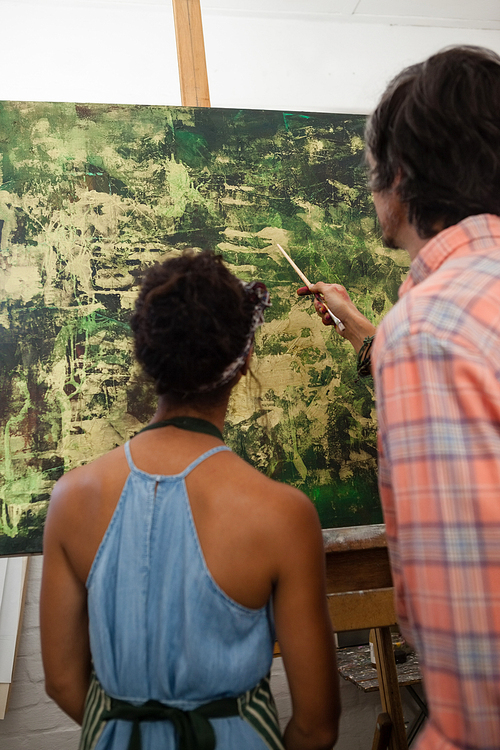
(160, 626)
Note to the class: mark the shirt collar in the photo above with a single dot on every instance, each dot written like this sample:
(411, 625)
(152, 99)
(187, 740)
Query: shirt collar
(471, 231)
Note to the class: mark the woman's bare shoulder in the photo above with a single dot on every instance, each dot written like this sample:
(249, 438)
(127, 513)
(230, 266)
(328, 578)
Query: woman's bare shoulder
(286, 523)
(85, 483)
(282, 502)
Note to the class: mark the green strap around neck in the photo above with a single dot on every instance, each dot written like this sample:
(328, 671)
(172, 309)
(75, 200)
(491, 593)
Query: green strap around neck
(193, 424)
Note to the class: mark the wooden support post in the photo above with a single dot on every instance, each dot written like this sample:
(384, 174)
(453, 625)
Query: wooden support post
(191, 53)
(383, 730)
(389, 687)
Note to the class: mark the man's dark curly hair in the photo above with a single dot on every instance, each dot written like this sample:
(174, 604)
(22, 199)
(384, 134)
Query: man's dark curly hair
(191, 320)
(437, 130)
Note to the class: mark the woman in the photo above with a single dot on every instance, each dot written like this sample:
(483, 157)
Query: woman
(167, 561)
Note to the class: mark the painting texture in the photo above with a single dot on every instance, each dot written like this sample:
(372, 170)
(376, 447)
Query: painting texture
(90, 196)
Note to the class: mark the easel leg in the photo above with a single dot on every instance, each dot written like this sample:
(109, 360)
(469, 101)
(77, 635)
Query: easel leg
(383, 731)
(389, 687)
(191, 53)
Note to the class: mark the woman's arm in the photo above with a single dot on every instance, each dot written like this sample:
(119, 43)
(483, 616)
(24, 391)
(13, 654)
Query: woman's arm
(63, 611)
(304, 632)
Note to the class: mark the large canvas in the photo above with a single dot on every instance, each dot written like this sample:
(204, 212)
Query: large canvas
(93, 194)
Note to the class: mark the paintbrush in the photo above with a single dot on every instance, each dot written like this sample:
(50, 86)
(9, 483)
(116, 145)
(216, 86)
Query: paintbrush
(306, 281)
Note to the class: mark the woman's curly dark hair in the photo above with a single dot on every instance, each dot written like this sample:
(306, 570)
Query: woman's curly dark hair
(191, 320)
(437, 129)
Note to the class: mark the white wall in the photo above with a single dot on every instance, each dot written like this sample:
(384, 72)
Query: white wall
(86, 51)
(124, 52)
(316, 65)
(33, 721)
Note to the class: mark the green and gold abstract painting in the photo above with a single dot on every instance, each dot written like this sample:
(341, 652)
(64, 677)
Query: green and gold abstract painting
(90, 196)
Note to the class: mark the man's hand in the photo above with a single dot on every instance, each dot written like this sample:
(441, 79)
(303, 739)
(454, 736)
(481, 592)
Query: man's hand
(335, 296)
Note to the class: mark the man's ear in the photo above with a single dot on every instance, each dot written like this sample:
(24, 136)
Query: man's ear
(397, 179)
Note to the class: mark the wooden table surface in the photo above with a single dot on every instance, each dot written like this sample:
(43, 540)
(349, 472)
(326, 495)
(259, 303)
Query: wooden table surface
(354, 665)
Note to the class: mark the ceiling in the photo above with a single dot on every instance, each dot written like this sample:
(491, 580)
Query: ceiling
(478, 14)
(470, 14)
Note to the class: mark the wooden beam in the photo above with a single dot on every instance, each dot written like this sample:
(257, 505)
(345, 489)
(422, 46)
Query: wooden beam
(358, 570)
(356, 610)
(350, 538)
(191, 53)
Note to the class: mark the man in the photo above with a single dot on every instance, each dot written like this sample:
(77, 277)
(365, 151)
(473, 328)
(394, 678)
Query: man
(433, 149)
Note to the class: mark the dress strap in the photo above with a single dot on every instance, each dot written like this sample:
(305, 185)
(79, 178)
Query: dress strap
(207, 454)
(188, 469)
(128, 456)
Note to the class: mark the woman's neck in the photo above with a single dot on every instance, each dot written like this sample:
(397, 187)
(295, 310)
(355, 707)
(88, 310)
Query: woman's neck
(165, 410)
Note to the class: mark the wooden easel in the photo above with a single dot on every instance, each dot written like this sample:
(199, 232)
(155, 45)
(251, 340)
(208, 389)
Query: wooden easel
(359, 583)
(191, 53)
(361, 595)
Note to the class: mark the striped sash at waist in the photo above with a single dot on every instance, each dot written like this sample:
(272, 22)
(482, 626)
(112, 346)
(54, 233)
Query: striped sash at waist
(193, 727)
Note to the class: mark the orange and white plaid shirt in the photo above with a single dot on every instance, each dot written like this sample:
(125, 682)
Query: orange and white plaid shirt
(437, 376)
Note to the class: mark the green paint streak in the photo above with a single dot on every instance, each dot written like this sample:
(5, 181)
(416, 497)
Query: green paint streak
(291, 116)
(11, 422)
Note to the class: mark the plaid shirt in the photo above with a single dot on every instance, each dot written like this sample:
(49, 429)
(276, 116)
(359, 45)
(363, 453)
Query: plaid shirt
(437, 376)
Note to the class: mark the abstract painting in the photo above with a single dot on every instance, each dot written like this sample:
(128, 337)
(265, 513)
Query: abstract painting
(90, 196)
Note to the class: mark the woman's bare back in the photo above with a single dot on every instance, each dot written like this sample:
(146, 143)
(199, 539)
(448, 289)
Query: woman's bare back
(239, 514)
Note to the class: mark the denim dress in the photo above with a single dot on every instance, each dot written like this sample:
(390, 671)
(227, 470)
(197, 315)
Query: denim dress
(160, 626)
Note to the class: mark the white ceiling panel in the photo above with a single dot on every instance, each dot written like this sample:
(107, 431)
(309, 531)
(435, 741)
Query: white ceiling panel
(458, 10)
(281, 6)
(479, 14)
(473, 14)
